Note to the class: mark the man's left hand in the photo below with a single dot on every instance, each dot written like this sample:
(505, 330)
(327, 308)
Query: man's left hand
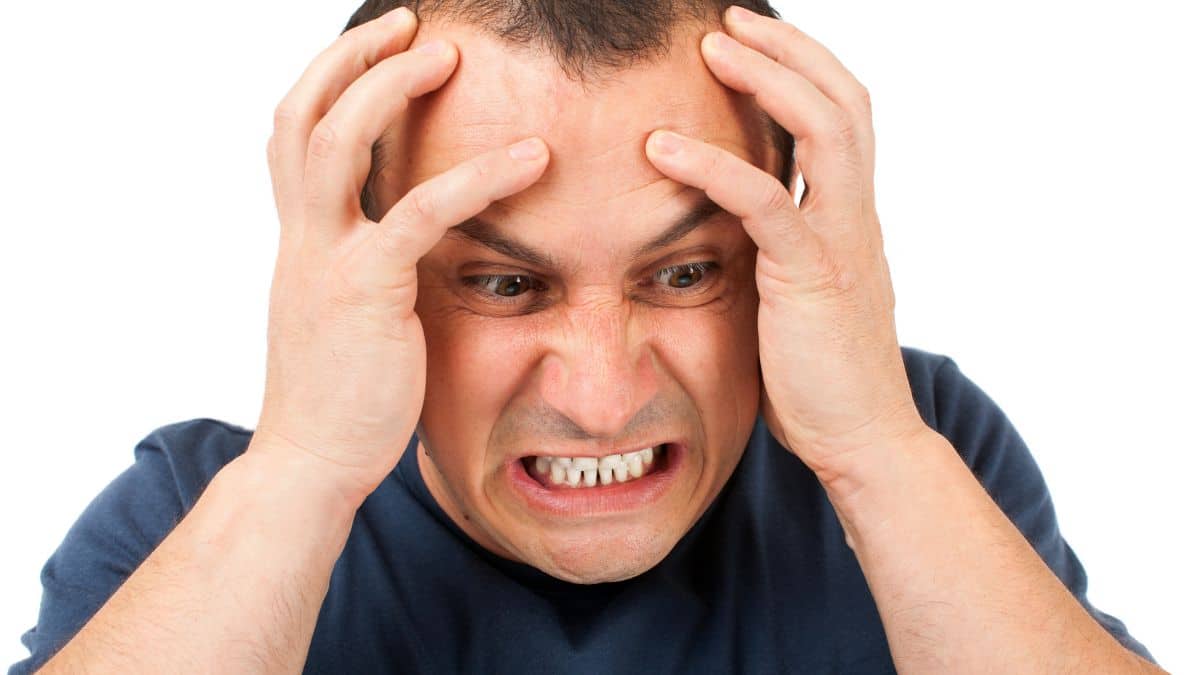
(833, 378)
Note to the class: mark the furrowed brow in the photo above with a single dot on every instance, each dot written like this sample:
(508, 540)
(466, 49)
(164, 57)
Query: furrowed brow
(700, 214)
(485, 234)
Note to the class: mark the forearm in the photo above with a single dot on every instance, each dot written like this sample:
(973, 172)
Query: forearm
(958, 587)
(235, 587)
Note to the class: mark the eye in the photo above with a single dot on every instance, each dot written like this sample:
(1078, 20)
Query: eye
(506, 294)
(503, 285)
(684, 276)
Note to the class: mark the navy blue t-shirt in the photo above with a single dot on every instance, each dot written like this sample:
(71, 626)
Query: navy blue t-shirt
(763, 583)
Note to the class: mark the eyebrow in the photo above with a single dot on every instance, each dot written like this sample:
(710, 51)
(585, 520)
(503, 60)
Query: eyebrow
(486, 234)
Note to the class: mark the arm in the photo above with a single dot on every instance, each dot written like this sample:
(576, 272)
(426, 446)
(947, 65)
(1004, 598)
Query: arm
(235, 587)
(958, 587)
(238, 584)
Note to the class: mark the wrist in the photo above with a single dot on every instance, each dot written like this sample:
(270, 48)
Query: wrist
(274, 468)
(849, 465)
(867, 484)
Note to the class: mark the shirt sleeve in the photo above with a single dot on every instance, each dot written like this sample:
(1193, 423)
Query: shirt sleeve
(115, 533)
(995, 452)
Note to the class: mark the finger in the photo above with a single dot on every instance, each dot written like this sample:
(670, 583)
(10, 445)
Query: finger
(826, 150)
(339, 153)
(385, 260)
(788, 248)
(798, 51)
(314, 93)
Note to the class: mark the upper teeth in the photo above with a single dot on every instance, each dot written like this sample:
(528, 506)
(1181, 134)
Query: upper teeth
(576, 471)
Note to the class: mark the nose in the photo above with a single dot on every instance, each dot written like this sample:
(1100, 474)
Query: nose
(599, 372)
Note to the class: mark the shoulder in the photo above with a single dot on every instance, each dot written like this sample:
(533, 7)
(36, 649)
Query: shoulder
(982, 434)
(201, 436)
(124, 523)
(191, 452)
(172, 466)
(927, 372)
(958, 408)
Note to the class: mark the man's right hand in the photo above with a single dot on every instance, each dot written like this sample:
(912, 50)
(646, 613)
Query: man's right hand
(346, 353)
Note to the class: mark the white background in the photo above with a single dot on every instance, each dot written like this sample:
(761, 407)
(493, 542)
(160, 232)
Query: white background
(1037, 173)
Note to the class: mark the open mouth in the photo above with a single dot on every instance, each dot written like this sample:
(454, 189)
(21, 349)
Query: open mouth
(595, 472)
(575, 487)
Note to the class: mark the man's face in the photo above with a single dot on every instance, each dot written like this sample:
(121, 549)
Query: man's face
(578, 319)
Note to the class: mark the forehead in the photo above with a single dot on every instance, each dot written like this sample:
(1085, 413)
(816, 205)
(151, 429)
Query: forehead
(596, 129)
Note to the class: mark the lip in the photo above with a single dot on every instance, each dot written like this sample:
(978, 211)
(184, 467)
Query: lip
(588, 453)
(589, 502)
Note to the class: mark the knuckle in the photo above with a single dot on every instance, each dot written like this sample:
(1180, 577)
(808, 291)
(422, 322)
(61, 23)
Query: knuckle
(776, 197)
(353, 301)
(832, 277)
(286, 117)
(324, 140)
(794, 36)
(356, 33)
(843, 131)
(711, 164)
(420, 204)
(862, 100)
(478, 169)
(332, 52)
(392, 240)
(839, 131)
(795, 45)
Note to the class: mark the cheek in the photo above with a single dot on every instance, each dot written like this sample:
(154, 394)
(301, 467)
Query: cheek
(714, 356)
(475, 366)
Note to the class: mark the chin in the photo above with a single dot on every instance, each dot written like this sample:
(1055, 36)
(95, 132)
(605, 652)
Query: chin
(603, 558)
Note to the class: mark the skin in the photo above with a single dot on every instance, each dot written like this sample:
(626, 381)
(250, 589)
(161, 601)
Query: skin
(604, 354)
(238, 584)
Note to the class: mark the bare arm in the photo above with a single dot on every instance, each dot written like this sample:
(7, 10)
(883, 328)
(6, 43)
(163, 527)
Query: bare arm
(958, 587)
(238, 585)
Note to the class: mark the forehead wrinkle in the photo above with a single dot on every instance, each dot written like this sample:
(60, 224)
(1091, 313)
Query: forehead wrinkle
(701, 212)
(499, 95)
(650, 183)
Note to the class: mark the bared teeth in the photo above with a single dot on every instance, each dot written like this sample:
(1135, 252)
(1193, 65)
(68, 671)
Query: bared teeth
(590, 471)
(621, 472)
(634, 460)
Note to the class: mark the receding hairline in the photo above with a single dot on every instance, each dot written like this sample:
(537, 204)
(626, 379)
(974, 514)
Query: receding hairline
(586, 37)
(587, 59)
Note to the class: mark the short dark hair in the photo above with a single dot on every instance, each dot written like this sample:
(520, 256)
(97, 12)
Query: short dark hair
(586, 37)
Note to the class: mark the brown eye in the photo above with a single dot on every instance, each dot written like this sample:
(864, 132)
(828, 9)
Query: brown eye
(683, 276)
(507, 286)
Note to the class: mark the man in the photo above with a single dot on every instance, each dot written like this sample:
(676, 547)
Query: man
(662, 421)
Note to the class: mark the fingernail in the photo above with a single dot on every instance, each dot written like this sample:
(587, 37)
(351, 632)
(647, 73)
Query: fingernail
(401, 16)
(528, 149)
(432, 48)
(740, 14)
(667, 143)
(718, 42)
